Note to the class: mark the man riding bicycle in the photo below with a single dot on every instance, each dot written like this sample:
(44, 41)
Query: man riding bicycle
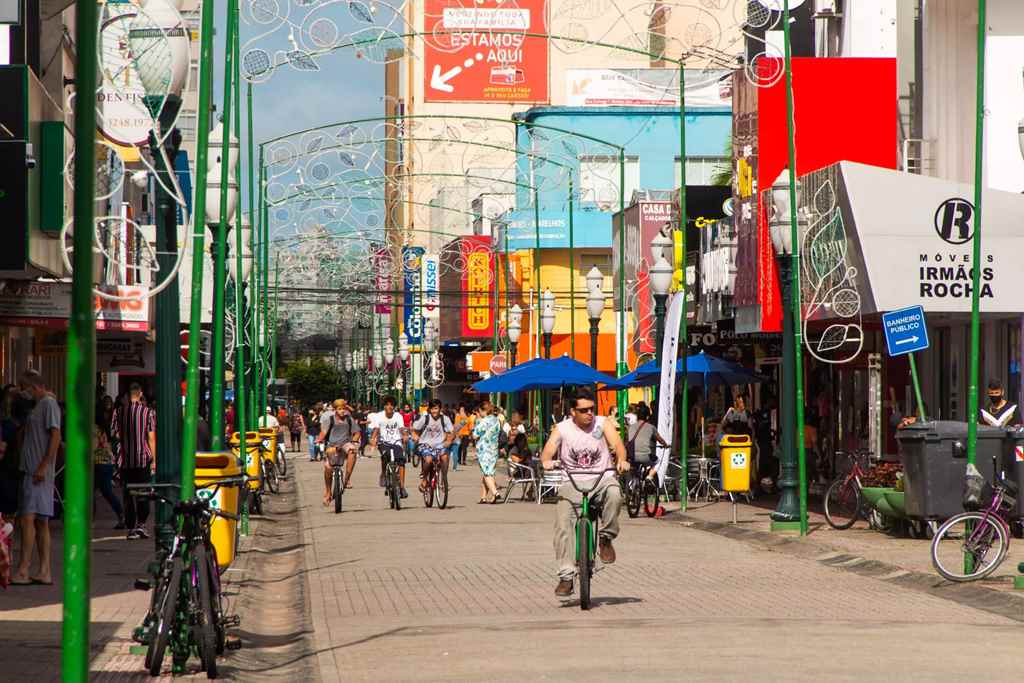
(433, 433)
(584, 443)
(341, 433)
(388, 435)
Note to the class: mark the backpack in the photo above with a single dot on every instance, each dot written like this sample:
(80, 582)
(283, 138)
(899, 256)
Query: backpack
(351, 431)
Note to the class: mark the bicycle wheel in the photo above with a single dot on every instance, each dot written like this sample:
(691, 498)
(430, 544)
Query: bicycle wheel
(394, 490)
(414, 458)
(650, 495)
(270, 476)
(428, 493)
(337, 490)
(257, 503)
(442, 489)
(205, 626)
(166, 612)
(633, 499)
(583, 561)
(970, 538)
(282, 462)
(213, 568)
(842, 504)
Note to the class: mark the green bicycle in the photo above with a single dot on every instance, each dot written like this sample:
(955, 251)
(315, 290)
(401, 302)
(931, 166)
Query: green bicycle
(186, 611)
(586, 531)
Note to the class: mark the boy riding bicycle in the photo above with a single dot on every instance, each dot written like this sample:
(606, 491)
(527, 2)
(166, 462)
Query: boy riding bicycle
(340, 432)
(433, 433)
(387, 436)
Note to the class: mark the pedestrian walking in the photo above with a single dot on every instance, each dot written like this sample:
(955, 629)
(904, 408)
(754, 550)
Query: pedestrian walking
(486, 434)
(40, 444)
(134, 430)
(103, 471)
(295, 427)
(312, 430)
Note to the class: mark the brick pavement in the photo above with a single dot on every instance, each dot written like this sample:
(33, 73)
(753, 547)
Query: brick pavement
(467, 594)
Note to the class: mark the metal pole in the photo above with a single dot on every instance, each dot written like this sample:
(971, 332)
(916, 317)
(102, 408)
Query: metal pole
(979, 141)
(265, 314)
(572, 281)
(917, 388)
(273, 335)
(623, 366)
(220, 242)
(168, 319)
(241, 397)
(253, 222)
(81, 367)
(684, 399)
(595, 329)
(256, 288)
(794, 228)
(188, 436)
(541, 419)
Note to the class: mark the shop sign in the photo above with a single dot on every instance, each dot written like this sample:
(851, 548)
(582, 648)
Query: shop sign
(479, 52)
(476, 283)
(431, 273)
(411, 315)
(48, 304)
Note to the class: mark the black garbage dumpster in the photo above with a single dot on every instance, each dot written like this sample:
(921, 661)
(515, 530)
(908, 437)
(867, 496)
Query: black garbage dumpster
(1013, 464)
(934, 456)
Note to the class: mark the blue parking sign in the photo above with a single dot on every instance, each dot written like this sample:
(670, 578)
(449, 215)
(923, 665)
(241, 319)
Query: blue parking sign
(905, 330)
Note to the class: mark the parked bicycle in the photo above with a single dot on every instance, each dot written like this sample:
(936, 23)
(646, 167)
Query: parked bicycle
(586, 532)
(271, 475)
(186, 609)
(640, 491)
(282, 460)
(972, 545)
(844, 504)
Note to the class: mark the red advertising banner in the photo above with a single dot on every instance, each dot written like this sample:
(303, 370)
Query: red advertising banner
(477, 287)
(383, 270)
(478, 51)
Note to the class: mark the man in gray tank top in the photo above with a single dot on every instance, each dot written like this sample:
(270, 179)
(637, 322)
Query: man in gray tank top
(585, 443)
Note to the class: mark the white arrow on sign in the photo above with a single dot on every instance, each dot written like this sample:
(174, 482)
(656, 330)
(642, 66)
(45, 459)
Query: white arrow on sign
(908, 340)
(439, 81)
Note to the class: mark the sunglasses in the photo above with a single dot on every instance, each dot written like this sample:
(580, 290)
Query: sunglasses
(588, 409)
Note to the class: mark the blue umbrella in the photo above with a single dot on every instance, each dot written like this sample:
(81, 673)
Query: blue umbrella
(542, 373)
(702, 370)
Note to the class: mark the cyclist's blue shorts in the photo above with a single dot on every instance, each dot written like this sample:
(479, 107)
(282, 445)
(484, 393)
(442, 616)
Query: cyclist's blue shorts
(431, 451)
(392, 450)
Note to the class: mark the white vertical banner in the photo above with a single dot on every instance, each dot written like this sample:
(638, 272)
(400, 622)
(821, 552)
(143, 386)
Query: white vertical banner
(667, 388)
(431, 287)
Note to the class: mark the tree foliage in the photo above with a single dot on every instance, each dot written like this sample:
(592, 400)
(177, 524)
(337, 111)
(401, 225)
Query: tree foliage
(313, 379)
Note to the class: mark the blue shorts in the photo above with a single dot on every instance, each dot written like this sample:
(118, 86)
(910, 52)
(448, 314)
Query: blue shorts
(392, 450)
(431, 451)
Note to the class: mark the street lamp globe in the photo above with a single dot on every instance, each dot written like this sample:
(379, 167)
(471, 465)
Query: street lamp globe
(515, 323)
(430, 337)
(661, 276)
(547, 311)
(779, 225)
(378, 358)
(214, 173)
(159, 43)
(389, 352)
(403, 348)
(661, 247)
(595, 295)
(246, 253)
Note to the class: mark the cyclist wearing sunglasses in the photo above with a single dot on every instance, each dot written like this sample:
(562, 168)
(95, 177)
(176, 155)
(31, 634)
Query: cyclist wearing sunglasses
(584, 443)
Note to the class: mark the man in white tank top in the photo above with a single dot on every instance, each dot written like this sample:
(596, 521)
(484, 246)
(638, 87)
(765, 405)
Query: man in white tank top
(585, 443)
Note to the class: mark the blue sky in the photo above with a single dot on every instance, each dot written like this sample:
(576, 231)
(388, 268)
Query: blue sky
(344, 88)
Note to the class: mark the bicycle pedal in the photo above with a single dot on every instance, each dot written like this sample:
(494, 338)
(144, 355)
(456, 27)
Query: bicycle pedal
(142, 585)
(233, 644)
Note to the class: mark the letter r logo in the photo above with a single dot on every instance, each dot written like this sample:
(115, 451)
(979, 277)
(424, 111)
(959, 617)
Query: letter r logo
(954, 220)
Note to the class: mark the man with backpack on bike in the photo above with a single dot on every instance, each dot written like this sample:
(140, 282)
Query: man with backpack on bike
(433, 433)
(584, 443)
(341, 434)
(387, 436)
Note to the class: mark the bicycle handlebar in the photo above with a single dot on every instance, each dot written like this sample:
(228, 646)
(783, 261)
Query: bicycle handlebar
(587, 473)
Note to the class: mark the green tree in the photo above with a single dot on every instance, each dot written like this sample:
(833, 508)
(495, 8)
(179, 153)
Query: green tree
(313, 379)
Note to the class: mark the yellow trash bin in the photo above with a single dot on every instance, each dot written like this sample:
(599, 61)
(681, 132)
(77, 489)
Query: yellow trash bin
(252, 458)
(735, 453)
(211, 467)
(268, 438)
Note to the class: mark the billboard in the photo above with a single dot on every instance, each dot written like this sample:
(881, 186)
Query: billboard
(646, 88)
(48, 304)
(1004, 107)
(412, 321)
(382, 276)
(477, 288)
(431, 279)
(478, 52)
